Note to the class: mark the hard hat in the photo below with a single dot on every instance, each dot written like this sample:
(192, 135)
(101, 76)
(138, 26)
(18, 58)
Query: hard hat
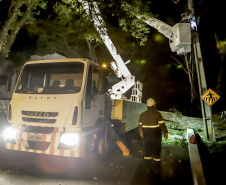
(150, 102)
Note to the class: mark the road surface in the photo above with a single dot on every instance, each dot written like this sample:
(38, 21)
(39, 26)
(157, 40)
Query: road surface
(20, 168)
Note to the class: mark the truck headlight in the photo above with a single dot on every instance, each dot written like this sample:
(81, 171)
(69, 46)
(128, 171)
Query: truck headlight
(10, 133)
(70, 139)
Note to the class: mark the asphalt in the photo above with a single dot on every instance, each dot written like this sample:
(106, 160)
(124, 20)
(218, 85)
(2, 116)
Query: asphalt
(19, 168)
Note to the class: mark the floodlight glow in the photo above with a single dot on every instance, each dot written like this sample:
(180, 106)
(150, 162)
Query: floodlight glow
(70, 139)
(10, 133)
(104, 65)
(193, 25)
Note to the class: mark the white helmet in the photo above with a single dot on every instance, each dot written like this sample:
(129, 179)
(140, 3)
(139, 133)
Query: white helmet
(150, 102)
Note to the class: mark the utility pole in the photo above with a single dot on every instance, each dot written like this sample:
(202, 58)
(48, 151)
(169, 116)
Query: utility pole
(206, 109)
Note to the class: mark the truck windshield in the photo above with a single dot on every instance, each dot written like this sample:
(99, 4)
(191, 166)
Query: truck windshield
(51, 78)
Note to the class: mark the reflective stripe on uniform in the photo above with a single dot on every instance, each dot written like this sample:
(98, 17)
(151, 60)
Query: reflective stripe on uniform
(156, 159)
(140, 123)
(148, 158)
(161, 122)
(150, 126)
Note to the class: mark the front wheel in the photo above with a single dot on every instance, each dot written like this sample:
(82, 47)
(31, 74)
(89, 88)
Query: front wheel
(103, 146)
(105, 141)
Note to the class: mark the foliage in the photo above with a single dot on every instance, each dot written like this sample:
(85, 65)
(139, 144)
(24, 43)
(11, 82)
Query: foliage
(65, 28)
(171, 125)
(176, 137)
(127, 11)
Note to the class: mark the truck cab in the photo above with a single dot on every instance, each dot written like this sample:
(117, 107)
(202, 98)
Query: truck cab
(53, 105)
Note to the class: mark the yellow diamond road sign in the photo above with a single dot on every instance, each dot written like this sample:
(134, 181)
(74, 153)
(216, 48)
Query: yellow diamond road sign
(210, 97)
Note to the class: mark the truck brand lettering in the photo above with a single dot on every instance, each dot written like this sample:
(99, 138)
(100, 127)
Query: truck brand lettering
(30, 113)
(38, 114)
(36, 97)
(46, 114)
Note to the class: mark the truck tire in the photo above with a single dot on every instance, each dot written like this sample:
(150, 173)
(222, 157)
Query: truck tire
(105, 141)
(103, 146)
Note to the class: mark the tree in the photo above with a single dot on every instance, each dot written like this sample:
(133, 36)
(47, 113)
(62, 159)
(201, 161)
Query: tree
(20, 12)
(64, 29)
(67, 29)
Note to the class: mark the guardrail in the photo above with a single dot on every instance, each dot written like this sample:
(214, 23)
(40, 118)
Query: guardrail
(195, 160)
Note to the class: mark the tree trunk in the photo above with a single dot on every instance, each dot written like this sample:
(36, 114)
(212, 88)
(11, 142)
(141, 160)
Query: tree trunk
(220, 80)
(221, 71)
(94, 53)
(90, 49)
(70, 52)
(184, 122)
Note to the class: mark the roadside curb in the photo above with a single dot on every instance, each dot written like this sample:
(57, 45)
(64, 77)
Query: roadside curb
(195, 161)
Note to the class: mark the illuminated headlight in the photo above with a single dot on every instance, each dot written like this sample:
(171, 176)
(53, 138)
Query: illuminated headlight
(10, 133)
(70, 139)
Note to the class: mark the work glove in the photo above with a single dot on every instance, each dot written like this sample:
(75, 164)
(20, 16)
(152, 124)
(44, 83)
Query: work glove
(166, 136)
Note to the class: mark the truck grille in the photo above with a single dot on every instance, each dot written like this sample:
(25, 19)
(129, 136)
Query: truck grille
(39, 120)
(39, 114)
(39, 117)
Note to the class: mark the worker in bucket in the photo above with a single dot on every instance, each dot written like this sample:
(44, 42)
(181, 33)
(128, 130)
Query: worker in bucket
(151, 127)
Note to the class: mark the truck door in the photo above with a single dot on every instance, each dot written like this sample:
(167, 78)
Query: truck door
(94, 99)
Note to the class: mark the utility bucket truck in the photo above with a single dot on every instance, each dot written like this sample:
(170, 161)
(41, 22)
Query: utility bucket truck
(59, 104)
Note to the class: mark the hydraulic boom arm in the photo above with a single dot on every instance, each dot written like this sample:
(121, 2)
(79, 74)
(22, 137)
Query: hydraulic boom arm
(162, 27)
(179, 34)
(119, 67)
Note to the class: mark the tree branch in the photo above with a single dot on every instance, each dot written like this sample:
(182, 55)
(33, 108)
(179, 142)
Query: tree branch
(9, 23)
(17, 27)
(179, 63)
(68, 47)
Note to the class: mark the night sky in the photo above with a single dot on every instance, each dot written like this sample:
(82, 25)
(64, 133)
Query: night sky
(162, 80)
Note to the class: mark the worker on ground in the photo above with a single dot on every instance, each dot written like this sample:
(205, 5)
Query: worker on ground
(151, 127)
